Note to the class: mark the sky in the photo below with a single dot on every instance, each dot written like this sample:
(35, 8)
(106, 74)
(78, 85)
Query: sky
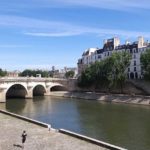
(39, 34)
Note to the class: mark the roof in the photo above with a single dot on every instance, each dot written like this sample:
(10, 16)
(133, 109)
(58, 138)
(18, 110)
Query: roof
(89, 51)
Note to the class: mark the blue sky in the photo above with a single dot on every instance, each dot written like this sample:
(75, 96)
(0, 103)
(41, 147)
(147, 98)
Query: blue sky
(41, 33)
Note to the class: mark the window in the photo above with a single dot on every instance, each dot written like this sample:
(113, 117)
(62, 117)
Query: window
(130, 50)
(128, 69)
(134, 68)
(135, 63)
(136, 75)
(99, 56)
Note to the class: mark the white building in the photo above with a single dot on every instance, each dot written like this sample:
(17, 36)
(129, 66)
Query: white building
(92, 55)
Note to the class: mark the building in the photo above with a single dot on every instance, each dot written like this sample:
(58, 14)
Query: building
(134, 71)
(13, 73)
(61, 72)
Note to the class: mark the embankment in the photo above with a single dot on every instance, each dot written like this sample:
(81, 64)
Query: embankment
(116, 98)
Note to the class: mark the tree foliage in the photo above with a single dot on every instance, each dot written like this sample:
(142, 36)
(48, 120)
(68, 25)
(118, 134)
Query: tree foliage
(108, 72)
(33, 73)
(119, 62)
(69, 74)
(3, 73)
(145, 62)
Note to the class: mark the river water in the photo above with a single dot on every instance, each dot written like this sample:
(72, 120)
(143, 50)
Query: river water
(123, 125)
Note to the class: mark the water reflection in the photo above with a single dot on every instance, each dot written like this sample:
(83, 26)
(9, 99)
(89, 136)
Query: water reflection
(122, 125)
(15, 105)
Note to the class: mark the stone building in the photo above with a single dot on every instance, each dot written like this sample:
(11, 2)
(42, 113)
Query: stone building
(134, 71)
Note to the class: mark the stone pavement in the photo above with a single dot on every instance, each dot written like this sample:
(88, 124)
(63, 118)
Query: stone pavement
(38, 138)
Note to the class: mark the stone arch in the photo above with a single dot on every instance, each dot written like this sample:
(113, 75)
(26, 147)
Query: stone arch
(58, 87)
(39, 90)
(16, 91)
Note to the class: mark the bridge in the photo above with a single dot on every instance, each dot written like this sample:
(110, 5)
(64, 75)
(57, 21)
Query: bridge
(28, 87)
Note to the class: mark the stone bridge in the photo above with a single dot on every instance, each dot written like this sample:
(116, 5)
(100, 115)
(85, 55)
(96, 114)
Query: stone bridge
(28, 87)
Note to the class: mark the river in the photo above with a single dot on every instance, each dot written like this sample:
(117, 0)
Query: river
(123, 125)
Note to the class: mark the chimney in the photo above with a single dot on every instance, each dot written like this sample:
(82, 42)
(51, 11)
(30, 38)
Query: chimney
(116, 42)
(140, 42)
(105, 41)
(127, 42)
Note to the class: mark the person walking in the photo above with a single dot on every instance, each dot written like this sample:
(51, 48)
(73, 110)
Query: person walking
(49, 127)
(24, 135)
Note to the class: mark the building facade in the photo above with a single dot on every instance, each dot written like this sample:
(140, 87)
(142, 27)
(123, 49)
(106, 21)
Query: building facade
(134, 71)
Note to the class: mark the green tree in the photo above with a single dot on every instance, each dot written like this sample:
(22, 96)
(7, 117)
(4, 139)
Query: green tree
(145, 62)
(51, 73)
(33, 73)
(69, 74)
(108, 73)
(3, 73)
(119, 61)
(95, 75)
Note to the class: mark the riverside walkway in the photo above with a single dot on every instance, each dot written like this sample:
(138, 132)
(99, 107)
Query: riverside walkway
(38, 138)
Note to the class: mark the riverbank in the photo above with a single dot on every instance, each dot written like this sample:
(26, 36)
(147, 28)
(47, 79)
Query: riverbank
(115, 98)
(38, 136)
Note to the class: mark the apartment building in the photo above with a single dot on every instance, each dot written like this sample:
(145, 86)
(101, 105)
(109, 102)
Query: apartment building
(134, 71)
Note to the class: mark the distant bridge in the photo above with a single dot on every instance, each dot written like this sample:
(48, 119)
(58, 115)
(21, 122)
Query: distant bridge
(27, 87)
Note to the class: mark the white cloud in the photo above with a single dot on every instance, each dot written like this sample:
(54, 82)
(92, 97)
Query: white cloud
(45, 28)
(60, 34)
(82, 30)
(11, 21)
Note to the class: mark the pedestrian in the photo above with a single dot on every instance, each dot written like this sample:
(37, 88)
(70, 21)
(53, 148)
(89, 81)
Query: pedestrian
(24, 135)
(49, 127)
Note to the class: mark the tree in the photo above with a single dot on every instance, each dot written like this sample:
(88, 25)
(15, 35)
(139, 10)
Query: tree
(69, 74)
(95, 75)
(119, 62)
(3, 73)
(145, 63)
(86, 79)
(51, 73)
(109, 72)
(33, 73)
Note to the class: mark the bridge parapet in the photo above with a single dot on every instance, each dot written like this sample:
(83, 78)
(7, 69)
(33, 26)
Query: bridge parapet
(30, 79)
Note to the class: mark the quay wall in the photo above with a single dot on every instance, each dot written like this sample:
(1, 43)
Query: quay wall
(137, 87)
(104, 97)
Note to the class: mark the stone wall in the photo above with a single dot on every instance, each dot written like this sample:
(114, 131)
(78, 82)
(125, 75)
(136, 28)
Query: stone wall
(129, 88)
(103, 97)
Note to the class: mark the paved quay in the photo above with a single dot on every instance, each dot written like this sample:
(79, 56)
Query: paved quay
(38, 138)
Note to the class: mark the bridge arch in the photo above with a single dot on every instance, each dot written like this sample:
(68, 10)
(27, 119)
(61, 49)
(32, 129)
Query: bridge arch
(58, 87)
(16, 91)
(39, 90)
